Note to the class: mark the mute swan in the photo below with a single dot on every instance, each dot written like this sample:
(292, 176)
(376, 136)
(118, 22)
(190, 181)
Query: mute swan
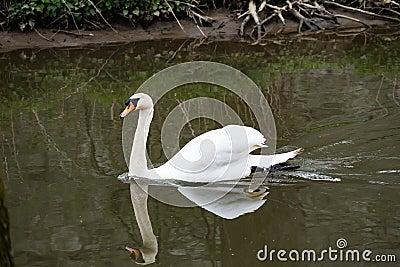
(217, 155)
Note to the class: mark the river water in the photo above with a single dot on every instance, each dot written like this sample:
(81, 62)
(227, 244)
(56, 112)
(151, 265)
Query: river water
(337, 96)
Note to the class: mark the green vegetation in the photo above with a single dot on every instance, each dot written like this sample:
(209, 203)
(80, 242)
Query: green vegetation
(33, 79)
(100, 14)
(90, 14)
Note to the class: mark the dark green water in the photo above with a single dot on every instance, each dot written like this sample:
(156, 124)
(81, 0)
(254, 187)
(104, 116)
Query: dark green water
(338, 98)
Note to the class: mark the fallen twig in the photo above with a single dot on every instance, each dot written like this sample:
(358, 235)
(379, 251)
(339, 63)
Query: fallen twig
(72, 15)
(385, 9)
(362, 11)
(173, 14)
(41, 35)
(54, 21)
(74, 33)
(353, 19)
(95, 25)
(98, 11)
(193, 15)
(201, 17)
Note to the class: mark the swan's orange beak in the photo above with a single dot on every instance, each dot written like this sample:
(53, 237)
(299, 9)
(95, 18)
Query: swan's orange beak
(127, 110)
(135, 252)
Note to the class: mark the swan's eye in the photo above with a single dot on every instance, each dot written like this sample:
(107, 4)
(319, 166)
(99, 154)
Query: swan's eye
(134, 101)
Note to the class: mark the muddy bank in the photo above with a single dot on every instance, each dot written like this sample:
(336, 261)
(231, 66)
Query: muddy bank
(225, 27)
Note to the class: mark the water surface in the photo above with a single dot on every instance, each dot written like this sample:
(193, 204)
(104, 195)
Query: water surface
(337, 97)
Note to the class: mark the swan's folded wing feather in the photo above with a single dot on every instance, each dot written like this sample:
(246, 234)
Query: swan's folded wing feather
(216, 154)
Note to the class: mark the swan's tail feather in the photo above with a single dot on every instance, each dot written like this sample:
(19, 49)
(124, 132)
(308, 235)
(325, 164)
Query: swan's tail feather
(298, 151)
(266, 161)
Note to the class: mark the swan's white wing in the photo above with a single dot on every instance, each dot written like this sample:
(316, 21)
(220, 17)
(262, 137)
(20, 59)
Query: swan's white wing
(220, 154)
(229, 139)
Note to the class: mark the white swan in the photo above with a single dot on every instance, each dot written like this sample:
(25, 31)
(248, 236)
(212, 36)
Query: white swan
(217, 155)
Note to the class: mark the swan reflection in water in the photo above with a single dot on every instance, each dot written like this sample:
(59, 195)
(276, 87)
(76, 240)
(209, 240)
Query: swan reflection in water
(234, 202)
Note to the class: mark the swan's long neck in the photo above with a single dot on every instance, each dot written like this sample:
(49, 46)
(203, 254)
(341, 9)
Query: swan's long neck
(138, 161)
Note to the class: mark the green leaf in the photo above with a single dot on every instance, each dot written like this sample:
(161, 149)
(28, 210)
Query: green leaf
(40, 7)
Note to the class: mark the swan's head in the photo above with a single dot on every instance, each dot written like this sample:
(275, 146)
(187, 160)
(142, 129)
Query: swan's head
(136, 255)
(137, 101)
(143, 256)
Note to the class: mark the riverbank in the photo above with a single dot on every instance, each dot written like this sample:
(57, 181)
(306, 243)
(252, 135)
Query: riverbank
(225, 27)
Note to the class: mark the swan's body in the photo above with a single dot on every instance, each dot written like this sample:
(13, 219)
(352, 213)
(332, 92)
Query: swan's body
(217, 155)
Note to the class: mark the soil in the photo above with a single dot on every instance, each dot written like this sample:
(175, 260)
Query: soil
(225, 27)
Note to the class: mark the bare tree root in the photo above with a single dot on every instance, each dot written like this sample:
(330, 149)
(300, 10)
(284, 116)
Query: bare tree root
(252, 13)
(313, 15)
(310, 23)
